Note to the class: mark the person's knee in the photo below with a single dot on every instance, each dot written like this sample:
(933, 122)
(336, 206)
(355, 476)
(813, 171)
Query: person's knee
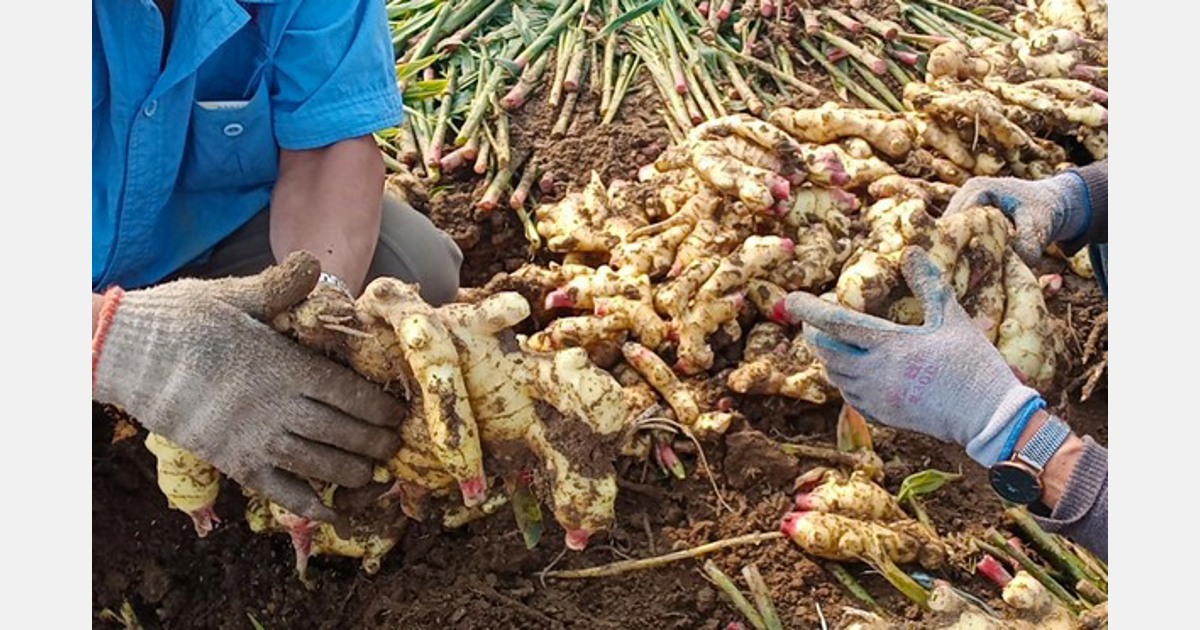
(413, 249)
(441, 278)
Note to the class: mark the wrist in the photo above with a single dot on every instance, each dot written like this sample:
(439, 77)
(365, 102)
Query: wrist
(1020, 426)
(103, 314)
(97, 304)
(1058, 469)
(999, 435)
(1076, 215)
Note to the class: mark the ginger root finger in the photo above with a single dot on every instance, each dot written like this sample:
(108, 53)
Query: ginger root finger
(190, 484)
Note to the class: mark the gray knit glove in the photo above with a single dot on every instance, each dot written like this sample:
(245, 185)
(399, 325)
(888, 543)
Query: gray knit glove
(1051, 210)
(942, 378)
(193, 361)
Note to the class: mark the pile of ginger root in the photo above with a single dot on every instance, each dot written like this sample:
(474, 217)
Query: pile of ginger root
(694, 257)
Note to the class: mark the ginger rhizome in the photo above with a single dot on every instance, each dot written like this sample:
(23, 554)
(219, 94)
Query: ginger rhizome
(852, 518)
(190, 484)
(555, 408)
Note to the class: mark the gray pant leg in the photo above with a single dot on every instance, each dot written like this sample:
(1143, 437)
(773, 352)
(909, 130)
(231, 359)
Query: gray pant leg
(410, 248)
(413, 249)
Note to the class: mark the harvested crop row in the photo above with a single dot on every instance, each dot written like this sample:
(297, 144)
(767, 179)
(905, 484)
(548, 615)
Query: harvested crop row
(675, 261)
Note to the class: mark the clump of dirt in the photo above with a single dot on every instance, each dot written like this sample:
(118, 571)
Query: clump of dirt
(752, 458)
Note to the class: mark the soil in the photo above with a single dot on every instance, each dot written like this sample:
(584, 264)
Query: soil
(482, 576)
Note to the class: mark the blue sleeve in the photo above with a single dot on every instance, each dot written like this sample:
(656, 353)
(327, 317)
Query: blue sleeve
(335, 75)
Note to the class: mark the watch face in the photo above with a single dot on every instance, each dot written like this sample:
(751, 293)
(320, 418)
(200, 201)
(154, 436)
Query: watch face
(1015, 483)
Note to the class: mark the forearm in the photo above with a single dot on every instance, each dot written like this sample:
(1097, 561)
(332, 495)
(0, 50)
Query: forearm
(97, 303)
(1075, 490)
(328, 201)
(1095, 181)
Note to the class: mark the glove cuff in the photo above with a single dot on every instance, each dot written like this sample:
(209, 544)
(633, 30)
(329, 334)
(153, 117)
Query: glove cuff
(988, 447)
(1095, 179)
(1076, 209)
(108, 312)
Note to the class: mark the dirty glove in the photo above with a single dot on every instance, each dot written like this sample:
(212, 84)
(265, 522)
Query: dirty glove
(1051, 210)
(942, 378)
(193, 361)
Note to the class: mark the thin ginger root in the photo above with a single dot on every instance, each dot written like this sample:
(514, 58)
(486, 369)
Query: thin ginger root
(190, 484)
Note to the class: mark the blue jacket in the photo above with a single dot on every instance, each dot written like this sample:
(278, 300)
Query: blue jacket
(184, 154)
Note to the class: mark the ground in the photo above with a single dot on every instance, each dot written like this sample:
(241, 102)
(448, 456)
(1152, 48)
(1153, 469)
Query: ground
(483, 577)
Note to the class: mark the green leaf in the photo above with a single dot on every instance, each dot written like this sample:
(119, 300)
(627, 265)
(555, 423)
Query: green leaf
(629, 16)
(522, 24)
(903, 582)
(991, 13)
(509, 65)
(405, 71)
(924, 482)
(528, 512)
(254, 622)
(396, 9)
(422, 90)
(127, 618)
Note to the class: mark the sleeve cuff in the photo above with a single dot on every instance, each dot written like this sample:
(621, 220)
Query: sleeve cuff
(1082, 512)
(1095, 180)
(367, 114)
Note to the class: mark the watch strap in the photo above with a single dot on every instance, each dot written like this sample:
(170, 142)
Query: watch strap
(1042, 446)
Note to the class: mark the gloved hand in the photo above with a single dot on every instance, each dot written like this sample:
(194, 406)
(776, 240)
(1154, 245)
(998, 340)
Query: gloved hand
(193, 361)
(1051, 210)
(942, 378)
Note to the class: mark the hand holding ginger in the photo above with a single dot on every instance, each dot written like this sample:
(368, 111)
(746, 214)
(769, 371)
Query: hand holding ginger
(194, 361)
(1044, 211)
(942, 378)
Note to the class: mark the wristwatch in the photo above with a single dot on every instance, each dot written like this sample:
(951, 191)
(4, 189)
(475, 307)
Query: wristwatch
(1019, 480)
(329, 279)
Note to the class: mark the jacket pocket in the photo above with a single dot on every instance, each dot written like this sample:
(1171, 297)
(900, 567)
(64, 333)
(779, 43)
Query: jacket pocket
(231, 144)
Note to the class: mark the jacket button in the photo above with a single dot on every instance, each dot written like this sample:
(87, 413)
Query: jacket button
(233, 130)
(150, 108)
